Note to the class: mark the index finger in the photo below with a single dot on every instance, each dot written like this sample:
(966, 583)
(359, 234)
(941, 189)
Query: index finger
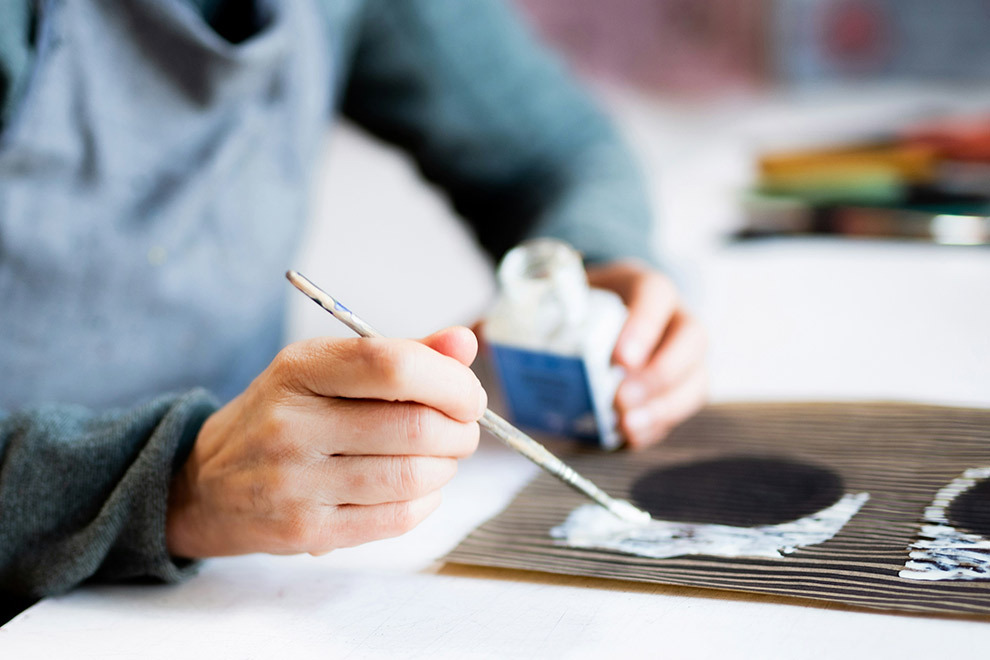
(384, 369)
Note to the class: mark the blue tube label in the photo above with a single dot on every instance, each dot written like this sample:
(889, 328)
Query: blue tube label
(546, 392)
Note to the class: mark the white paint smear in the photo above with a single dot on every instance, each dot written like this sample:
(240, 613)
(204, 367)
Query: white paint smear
(942, 552)
(591, 526)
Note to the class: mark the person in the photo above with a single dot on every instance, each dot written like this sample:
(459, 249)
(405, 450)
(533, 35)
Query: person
(154, 163)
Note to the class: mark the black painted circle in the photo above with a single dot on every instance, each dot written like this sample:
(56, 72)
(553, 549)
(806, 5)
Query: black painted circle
(970, 511)
(742, 491)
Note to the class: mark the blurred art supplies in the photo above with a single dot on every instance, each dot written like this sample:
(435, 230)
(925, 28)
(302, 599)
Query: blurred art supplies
(927, 182)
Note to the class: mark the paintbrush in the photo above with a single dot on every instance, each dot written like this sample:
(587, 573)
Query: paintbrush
(497, 426)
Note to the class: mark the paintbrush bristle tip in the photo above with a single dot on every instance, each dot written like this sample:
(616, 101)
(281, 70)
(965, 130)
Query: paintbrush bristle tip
(630, 513)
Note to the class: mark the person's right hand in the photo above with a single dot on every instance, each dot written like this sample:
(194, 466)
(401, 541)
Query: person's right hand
(338, 442)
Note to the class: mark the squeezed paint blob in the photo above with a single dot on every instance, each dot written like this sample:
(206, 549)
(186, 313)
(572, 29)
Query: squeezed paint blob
(733, 507)
(737, 491)
(954, 540)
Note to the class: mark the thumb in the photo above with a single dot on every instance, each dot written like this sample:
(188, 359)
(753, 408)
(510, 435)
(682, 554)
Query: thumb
(457, 342)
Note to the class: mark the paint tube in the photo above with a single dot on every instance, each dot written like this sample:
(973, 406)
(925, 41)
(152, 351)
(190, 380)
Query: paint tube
(551, 338)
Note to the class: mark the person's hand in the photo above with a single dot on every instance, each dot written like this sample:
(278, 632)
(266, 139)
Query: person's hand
(338, 442)
(662, 348)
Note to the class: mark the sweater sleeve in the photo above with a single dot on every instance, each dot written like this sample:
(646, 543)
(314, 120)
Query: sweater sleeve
(496, 121)
(84, 495)
(16, 54)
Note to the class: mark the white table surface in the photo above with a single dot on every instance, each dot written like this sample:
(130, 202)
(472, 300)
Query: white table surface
(789, 320)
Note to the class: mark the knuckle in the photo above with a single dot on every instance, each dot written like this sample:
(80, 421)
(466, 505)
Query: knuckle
(297, 366)
(280, 443)
(275, 425)
(388, 361)
(288, 364)
(296, 527)
(403, 518)
(354, 481)
(411, 478)
(420, 425)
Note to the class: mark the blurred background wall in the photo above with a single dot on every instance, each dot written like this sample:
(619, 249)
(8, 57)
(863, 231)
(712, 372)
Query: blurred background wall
(724, 45)
(703, 90)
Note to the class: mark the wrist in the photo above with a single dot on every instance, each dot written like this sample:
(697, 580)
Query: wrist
(179, 516)
(182, 532)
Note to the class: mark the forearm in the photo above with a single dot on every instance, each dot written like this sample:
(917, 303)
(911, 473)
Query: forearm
(84, 495)
(599, 205)
(495, 120)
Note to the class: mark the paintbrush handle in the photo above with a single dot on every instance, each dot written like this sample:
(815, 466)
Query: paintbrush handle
(495, 424)
(542, 456)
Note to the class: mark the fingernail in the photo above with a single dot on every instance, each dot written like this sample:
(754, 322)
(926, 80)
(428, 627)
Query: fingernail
(632, 394)
(638, 420)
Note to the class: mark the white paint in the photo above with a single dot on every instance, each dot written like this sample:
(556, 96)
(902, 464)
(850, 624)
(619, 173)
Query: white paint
(590, 526)
(942, 552)
(628, 512)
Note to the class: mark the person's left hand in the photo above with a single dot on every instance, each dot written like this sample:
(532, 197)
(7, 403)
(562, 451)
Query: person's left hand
(662, 347)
